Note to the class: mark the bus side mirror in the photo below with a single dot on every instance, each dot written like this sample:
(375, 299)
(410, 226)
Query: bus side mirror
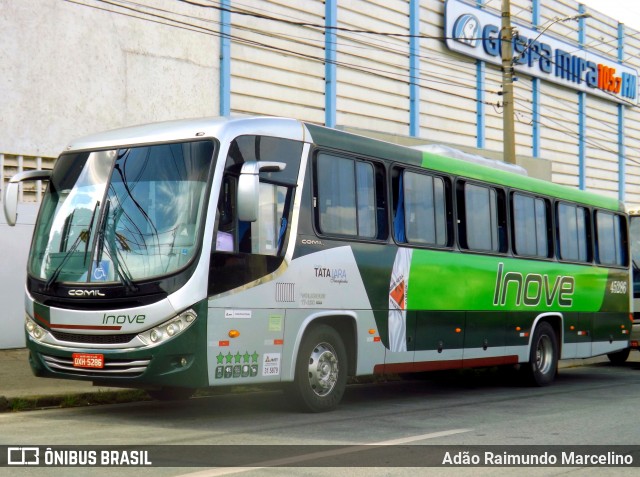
(10, 199)
(249, 187)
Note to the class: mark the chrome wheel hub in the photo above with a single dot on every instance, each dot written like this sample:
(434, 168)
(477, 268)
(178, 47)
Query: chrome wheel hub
(323, 369)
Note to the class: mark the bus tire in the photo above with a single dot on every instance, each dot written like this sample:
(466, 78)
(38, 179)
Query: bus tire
(321, 370)
(543, 356)
(171, 394)
(619, 357)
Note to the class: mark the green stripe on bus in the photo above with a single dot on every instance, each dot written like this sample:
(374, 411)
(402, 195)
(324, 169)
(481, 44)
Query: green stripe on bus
(454, 281)
(496, 176)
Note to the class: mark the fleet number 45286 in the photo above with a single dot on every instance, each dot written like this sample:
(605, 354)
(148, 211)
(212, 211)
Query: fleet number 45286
(619, 287)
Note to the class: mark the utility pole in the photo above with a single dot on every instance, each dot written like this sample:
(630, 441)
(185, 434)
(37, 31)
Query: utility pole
(508, 127)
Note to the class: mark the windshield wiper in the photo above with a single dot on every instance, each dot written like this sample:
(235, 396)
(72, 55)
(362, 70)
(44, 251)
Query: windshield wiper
(83, 236)
(118, 265)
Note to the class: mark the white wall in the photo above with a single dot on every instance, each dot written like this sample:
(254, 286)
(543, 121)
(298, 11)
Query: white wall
(14, 243)
(69, 70)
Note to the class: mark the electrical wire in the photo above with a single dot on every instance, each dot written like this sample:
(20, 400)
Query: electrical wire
(561, 128)
(321, 27)
(393, 75)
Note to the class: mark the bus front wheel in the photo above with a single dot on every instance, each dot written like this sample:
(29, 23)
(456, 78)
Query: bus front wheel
(321, 370)
(543, 357)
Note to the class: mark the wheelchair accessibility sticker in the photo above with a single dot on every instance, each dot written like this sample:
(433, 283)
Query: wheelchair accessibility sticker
(100, 271)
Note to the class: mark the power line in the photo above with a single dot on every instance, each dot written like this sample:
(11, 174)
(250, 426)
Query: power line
(393, 75)
(240, 40)
(164, 20)
(318, 26)
(561, 128)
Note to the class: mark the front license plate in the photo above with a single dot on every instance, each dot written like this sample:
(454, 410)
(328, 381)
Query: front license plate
(83, 360)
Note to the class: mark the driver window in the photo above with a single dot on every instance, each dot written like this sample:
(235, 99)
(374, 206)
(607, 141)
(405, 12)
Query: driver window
(247, 251)
(226, 237)
(266, 235)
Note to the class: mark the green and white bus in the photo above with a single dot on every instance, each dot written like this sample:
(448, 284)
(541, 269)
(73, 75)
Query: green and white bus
(222, 251)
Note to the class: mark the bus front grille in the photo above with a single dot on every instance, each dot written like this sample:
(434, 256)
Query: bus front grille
(120, 368)
(92, 339)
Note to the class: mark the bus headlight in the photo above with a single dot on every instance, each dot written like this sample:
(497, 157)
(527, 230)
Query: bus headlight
(34, 329)
(168, 329)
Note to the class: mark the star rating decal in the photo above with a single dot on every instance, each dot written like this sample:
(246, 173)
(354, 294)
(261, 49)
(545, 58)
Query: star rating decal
(238, 365)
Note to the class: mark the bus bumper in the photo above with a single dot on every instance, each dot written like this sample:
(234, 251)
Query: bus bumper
(178, 362)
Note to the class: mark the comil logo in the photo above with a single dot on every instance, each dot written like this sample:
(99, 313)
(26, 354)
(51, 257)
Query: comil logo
(23, 456)
(86, 293)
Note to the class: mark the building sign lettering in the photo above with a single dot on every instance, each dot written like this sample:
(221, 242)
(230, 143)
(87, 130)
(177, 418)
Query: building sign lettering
(475, 32)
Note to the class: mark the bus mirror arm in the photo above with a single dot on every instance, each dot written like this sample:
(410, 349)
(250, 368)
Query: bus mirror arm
(249, 187)
(10, 199)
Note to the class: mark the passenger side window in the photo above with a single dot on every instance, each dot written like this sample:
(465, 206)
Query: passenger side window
(611, 238)
(421, 209)
(350, 197)
(530, 227)
(482, 218)
(573, 233)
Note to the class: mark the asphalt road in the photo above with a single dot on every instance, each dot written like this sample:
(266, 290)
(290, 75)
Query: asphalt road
(587, 405)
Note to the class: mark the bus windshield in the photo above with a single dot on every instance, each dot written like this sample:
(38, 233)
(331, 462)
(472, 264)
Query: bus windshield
(121, 215)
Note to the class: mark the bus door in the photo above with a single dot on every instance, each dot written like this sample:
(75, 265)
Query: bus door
(246, 328)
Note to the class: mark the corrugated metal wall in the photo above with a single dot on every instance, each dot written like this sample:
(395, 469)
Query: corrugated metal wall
(632, 125)
(373, 86)
(278, 68)
(448, 93)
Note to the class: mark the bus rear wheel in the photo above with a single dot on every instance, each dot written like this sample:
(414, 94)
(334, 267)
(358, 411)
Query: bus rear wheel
(543, 357)
(619, 357)
(321, 370)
